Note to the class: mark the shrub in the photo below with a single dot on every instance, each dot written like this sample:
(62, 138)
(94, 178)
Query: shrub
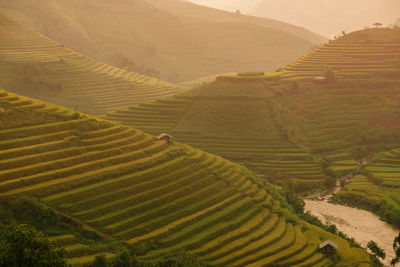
(23, 245)
(376, 250)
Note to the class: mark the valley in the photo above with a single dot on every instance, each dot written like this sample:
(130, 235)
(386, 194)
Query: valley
(110, 164)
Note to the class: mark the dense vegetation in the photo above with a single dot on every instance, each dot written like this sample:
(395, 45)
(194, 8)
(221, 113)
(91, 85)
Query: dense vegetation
(22, 245)
(33, 65)
(105, 187)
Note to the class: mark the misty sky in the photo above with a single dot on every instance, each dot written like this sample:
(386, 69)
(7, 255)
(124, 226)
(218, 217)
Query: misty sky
(326, 17)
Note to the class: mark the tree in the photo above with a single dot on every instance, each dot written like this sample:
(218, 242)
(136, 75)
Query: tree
(22, 245)
(396, 247)
(375, 249)
(100, 261)
(330, 182)
(122, 260)
(297, 203)
(332, 228)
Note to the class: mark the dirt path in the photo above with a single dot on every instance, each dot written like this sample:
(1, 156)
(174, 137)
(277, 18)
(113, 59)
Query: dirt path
(362, 225)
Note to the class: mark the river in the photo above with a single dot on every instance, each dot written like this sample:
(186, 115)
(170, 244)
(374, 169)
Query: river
(362, 225)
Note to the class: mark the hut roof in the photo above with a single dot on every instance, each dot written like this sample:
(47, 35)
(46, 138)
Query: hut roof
(330, 243)
(164, 135)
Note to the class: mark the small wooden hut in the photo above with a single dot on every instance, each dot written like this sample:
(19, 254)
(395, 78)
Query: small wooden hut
(328, 248)
(165, 137)
(320, 79)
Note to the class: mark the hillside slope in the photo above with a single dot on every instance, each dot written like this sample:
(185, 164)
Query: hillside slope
(180, 7)
(360, 53)
(232, 118)
(123, 184)
(324, 17)
(34, 65)
(180, 47)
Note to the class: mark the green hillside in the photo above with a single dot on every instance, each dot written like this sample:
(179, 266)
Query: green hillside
(33, 65)
(126, 187)
(299, 132)
(378, 188)
(234, 118)
(180, 47)
(356, 54)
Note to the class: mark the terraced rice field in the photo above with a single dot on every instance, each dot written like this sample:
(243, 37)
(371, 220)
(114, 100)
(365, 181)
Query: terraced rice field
(384, 182)
(343, 122)
(387, 168)
(345, 60)
(78, 253)
(363, 186)
(211, 124)
(65, 77)
(132, 187)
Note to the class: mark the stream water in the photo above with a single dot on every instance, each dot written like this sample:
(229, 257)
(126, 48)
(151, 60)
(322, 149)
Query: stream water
(362, 225)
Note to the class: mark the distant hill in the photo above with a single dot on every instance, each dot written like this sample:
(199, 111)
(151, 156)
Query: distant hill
(370, 36)
(117, 187)
(179, 47)
(325, 17)
(397, 22)
(34, 65)
(360, 53)
(180, 7)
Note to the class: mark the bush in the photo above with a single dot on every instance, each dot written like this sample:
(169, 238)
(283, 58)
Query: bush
(123, 259)
(376, 250)
(23, 245)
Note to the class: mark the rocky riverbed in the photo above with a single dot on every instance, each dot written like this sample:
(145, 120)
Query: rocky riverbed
(362, 225)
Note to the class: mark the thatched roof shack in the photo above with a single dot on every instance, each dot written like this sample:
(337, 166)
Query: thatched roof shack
(328, 243)
(320, 79)
(166, 137)
(328, 248)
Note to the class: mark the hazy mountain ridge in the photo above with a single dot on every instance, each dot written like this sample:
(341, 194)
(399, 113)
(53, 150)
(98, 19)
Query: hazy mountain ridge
(180, 47)
(180, 7)
(323, 16)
